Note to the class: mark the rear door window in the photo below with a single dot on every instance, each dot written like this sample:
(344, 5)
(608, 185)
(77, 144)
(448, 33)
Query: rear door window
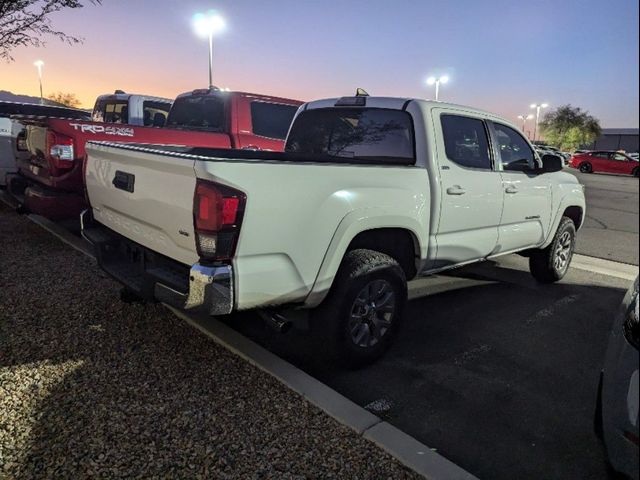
(271, 120)
(466, 141)
(369, 134)
(199, 112)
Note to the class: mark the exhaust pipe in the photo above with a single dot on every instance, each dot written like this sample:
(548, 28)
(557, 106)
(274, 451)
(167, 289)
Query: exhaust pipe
(275, 321)
(22, 210)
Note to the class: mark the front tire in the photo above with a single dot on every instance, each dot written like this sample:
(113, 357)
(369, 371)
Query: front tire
(550, 264)
(586, 167)
(360, 317)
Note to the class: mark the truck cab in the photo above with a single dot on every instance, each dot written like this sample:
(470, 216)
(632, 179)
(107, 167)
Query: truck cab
(252, 122)
(132, 109)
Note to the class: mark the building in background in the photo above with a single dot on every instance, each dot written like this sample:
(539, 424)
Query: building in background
(616, 139)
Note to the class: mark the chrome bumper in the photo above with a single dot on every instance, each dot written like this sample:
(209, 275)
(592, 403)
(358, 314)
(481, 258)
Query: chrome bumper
(210, 291)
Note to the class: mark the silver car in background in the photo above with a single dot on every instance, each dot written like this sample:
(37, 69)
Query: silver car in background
(616, 421)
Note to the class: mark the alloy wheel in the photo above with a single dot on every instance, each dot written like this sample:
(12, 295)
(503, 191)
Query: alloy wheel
(372, 313)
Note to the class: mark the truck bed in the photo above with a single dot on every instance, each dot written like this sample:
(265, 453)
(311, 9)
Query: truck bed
(296, 209)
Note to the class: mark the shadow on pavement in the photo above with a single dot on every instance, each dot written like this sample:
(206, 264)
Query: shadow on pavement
(501, 378)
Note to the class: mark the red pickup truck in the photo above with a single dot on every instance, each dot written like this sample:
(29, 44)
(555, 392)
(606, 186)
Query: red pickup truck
(50, 181)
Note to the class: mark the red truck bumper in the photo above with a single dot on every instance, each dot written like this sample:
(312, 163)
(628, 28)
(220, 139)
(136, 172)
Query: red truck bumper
(52, 204)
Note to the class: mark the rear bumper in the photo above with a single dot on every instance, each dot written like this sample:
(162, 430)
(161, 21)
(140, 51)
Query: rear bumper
(200, 288)
(52, 204)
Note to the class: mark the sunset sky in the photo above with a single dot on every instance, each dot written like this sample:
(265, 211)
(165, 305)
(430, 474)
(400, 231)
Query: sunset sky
(500, 55)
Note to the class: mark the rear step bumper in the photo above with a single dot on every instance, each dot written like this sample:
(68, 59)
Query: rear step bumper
(199, 288)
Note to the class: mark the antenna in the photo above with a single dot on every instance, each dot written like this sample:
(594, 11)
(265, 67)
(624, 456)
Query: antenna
(361, 92)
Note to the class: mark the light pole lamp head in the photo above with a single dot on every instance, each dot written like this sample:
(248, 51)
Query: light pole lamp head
(444, 79)
(39, 64)
(431, 80)
(208, 24)
(544, 105)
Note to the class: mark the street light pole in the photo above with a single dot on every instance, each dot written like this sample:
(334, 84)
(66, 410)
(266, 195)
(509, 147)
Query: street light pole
(210, 59)
(207, 25)
(537, 106)
(437, 81)
(39, 64)
(524, 119)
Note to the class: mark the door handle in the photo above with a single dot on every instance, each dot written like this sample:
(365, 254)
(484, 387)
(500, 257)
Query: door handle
(456, 190)
(511, 189)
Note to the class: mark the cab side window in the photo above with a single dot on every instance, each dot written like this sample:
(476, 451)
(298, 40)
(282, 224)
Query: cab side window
(466, 142)
(515, 153)
(619, 157)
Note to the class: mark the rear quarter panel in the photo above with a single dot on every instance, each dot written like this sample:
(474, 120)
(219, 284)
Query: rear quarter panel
(294, 232)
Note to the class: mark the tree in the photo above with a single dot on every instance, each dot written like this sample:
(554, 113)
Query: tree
(27, 22)
(68, 99)
(568, 128)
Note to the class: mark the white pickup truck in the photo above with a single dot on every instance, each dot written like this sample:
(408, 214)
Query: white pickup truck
(369, 193)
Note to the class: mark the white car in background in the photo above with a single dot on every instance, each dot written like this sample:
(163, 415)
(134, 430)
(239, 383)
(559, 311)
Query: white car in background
(635, 156)
(547, 150)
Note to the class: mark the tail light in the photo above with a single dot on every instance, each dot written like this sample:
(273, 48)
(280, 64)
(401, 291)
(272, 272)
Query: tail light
(60, 150)
(217, 216)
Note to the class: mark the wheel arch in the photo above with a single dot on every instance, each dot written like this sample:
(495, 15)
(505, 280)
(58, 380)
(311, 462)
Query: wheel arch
(400, 237)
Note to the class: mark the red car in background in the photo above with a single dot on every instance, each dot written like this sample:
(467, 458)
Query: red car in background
(605, 162)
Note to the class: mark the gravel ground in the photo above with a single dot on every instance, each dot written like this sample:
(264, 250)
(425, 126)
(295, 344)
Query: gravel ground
(91, 387)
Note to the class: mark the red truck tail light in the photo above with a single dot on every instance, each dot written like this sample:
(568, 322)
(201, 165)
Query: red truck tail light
(60, 150)
(217, 215)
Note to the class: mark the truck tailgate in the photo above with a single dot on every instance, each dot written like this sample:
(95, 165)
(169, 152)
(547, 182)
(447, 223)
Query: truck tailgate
(128, 192)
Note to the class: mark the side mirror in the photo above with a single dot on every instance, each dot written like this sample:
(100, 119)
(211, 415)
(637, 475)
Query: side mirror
(551, 163)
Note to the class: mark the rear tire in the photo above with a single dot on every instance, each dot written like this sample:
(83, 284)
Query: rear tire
(550, 264)
(360, 317)
(636, 172)
(586, 167)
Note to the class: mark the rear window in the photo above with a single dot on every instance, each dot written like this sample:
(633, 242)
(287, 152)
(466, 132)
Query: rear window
(198, 112)
(271, 120)
(354, 133)
(155, 113)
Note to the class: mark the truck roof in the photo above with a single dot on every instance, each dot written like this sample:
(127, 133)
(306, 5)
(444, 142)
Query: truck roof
(399, 103)
(243, 94)
(125, 96)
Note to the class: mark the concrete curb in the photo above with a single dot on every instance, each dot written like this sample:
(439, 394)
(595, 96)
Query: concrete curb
(406, 449)
(605, 267)
(398, 444)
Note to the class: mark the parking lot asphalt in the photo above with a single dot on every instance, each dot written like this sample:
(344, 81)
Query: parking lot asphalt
(611, 227)
(496, 372)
